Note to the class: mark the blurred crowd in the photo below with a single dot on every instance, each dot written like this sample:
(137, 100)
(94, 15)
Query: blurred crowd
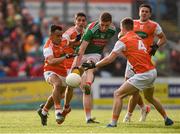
(22, 38)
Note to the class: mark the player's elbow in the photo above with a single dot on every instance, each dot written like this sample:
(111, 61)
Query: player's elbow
(163, 38)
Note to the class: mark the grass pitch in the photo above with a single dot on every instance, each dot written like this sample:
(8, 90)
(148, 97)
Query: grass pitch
(29, 122)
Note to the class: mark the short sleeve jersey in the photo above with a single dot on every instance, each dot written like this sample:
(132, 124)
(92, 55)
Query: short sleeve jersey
(97, 39)
(147, 31)
(70, 34)
(57, 51)
(134, 50)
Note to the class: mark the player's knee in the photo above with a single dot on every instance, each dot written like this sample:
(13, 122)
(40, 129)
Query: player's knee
(119, 95)
(116, 94)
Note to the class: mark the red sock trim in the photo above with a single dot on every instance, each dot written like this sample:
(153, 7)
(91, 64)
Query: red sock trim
(115, 117)
(87, 110)
(57, 106)
(89, 83)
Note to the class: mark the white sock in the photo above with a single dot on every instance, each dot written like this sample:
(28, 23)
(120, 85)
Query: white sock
(129, 114)
(165, 118)
(44, 112)
(58, 111)
(143, 108)
(88, 116)
(113, 122)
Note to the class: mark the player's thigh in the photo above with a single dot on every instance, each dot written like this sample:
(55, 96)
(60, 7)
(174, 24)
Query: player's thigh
(125, 90)
(136, 95)
(55, 80)
(63, 89)
(90, 75)
(148, 93)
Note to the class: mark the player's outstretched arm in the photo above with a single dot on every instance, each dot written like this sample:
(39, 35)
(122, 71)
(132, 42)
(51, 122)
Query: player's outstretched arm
(107, 60)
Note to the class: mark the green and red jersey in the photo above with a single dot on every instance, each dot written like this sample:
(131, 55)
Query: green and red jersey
(97, 39)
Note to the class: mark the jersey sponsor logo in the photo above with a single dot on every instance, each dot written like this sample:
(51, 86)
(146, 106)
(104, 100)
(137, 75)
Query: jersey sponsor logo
(142, 34)
(99, 42)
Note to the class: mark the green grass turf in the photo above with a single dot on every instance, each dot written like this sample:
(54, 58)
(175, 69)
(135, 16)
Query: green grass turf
(29, 122)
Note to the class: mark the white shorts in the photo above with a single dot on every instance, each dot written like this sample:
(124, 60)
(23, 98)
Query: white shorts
(91, 57)
(47, 74)
(129, 72)
(143, 80)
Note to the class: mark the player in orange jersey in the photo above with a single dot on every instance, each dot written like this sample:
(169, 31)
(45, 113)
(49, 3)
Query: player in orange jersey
(55, 73)
(147, 30)
(133, 48)
(73, 35)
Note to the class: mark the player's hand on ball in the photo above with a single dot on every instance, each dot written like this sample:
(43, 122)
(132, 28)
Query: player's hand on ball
(78, 70)
(153, 50)
(89, 65)
(68, 56)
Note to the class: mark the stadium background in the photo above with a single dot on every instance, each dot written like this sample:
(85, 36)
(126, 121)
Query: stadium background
(24, 29)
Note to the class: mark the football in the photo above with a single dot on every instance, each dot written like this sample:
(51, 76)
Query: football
(73, 80)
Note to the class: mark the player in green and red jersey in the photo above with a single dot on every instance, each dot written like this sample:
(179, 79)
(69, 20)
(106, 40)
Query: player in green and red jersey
(95, 38)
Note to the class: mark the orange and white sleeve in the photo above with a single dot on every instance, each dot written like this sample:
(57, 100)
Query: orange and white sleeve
(158, 29)
(47, 51)
(119, 47)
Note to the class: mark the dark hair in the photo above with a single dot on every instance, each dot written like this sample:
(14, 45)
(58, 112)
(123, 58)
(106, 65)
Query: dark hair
(146, 5)
(106, 17)
(55, 27)
(127, 23)
(80, 14)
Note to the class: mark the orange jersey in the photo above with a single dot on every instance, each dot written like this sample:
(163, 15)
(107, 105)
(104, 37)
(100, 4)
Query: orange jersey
(70, 34)
(57, 51)
(147, 31)
(133, 48)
